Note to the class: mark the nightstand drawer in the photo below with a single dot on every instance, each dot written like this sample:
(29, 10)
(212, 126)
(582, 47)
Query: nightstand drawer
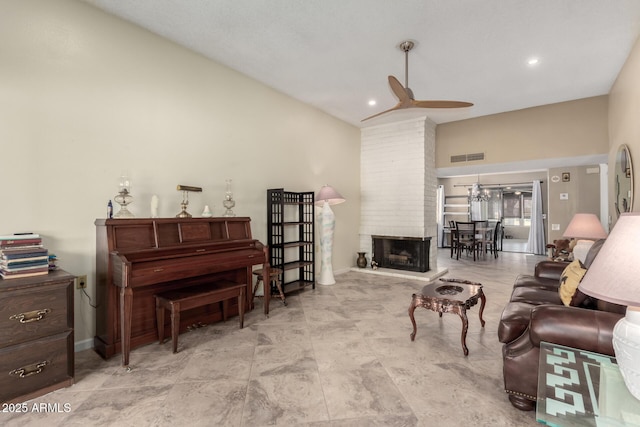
(39, 365)
(34, 312)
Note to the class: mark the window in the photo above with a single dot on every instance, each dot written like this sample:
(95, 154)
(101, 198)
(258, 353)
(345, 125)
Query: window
(512, 205)
(516, 207)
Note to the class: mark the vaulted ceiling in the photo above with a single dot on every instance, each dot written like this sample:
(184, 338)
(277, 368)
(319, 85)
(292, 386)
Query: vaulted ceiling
(337, 54)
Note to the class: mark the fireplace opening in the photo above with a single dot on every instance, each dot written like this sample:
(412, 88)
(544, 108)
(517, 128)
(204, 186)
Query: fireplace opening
(402, 253)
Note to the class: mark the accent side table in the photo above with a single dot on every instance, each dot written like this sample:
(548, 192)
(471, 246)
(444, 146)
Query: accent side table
(454, 296)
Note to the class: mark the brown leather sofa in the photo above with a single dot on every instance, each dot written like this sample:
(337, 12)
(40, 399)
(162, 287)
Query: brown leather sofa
(535, 313)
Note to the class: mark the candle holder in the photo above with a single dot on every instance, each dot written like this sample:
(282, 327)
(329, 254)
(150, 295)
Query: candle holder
(124, 198)
(228, 202)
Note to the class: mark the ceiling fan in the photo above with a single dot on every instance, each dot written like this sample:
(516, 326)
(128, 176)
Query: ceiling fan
(405, 94)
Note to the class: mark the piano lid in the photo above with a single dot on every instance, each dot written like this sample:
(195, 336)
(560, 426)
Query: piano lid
(155, 233)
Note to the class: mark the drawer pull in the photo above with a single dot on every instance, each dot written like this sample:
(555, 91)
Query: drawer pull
(158, 270)
(27, 371)
(31, 316)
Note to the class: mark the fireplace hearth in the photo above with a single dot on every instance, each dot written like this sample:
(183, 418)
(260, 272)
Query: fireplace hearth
(402, 253)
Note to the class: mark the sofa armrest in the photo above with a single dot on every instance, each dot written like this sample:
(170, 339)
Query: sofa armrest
(550, 269)
(590, 330)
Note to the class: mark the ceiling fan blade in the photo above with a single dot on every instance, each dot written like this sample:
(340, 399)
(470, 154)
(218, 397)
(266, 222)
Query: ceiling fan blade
(397, 107)
(399, 90)
(441, 104)
(405, 95)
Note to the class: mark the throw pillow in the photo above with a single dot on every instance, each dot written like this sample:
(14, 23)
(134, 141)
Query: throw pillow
(569, 281)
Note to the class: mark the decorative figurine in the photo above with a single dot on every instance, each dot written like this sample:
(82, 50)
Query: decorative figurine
(154, 206)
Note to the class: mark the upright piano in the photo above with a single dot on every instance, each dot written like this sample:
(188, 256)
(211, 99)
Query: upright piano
(137, 258)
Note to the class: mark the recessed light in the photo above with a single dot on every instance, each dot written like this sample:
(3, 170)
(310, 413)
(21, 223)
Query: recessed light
(372, 102)
(533, 61)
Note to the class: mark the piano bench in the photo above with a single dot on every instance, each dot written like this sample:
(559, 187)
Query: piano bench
(274, 276)
(196, 296)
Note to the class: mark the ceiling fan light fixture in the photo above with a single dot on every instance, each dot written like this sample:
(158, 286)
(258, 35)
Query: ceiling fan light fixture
(533, 61)
(406, 45)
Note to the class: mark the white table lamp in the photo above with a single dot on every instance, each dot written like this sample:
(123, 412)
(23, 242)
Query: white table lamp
(613, 277)
(586, 228)
(326, 197)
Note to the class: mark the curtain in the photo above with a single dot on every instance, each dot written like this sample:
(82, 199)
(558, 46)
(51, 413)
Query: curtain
(440, 215)
(536, 243)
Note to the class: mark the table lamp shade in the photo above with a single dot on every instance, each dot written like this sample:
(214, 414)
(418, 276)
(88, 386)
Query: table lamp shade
(585, 226)
(330, 195)
(614, 277)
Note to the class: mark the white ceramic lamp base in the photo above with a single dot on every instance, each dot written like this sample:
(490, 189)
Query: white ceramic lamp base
(326, 245)
(626, 344)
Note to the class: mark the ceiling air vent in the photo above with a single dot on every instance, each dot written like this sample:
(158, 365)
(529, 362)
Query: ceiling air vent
(467, 157)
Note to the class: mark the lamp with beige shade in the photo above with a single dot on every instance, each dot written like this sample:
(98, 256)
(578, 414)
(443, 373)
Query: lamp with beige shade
(585, 228)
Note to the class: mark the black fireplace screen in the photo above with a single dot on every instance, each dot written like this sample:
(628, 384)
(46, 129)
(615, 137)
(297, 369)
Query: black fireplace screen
(402, 253)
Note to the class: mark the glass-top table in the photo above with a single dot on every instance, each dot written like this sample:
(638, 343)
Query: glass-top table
(580, 388)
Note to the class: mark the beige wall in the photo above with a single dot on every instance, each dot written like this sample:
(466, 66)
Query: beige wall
(624, 120)
(567, 129)
(85, 96)
(582, 195)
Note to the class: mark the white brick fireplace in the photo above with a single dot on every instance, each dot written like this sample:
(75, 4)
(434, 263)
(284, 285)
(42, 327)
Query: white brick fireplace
(398, 183)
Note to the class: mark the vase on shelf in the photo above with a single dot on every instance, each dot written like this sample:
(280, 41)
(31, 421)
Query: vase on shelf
(361, 262)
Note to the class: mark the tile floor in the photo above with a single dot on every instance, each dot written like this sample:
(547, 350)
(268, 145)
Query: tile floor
(335, 356)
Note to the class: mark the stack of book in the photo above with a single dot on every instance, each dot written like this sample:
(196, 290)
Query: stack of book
(22, 255)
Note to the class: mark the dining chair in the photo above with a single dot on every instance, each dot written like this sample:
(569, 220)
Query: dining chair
(454, 238)
(492, 242)
(466, 238)
(482, 227)
(448, 231)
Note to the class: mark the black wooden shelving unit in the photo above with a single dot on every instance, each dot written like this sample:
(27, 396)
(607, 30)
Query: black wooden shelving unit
(290, 236)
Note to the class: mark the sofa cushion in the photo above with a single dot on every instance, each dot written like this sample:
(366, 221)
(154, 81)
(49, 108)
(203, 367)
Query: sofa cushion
(593, 252)
(569, 281)
(549, 269)
(535, 296)
(529, 281)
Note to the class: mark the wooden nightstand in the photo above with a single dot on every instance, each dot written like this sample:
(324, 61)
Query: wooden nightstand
(36, 335)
